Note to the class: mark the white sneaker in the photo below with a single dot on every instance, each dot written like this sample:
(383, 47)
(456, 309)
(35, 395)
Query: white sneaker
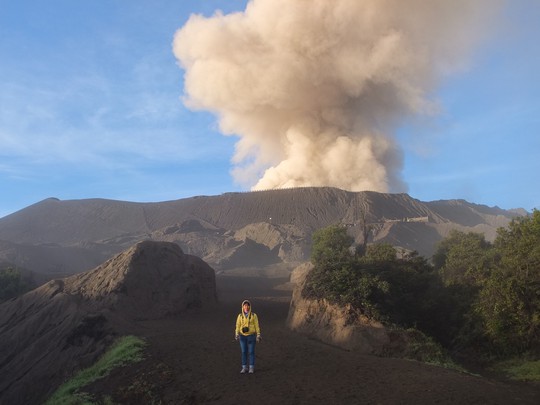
(251, 369)
(244, 370)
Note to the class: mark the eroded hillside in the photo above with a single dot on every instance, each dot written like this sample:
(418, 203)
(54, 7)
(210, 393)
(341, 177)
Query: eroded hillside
(233, 229)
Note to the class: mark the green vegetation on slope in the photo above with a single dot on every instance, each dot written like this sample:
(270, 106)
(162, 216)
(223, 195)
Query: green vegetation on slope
(520, 369)
(497, 287)
(477, 297)
(126, 350)
(402, 291)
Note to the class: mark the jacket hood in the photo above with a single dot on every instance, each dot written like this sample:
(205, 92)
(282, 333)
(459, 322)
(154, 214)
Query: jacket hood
(242, 306)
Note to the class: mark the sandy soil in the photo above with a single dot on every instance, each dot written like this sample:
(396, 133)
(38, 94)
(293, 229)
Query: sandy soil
(194, 359)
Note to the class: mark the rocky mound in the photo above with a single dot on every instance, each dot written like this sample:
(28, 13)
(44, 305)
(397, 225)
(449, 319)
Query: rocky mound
(64, 325)
(333, 324)
(345, 328)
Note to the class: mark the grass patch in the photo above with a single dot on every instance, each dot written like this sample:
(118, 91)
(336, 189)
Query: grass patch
(125, 350)
(520, 369)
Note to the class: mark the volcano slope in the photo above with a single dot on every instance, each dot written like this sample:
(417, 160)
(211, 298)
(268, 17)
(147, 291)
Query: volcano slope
(193, 359)
(54, 239)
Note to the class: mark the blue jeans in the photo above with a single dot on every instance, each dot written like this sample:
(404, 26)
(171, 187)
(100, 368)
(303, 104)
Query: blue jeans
(247, 345)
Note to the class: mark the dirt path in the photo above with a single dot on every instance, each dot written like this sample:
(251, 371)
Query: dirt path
(194, 359)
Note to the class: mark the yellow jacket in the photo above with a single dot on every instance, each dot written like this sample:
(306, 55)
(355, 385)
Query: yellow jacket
(251, 321)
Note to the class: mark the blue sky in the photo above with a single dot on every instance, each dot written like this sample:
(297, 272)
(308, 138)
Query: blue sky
(90, 107)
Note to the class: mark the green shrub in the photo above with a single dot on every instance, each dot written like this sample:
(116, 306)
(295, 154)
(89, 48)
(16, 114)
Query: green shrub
(416, 345)
(520, 369)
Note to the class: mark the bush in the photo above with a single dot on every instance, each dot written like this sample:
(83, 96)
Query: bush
(520, 369)
(412, 344)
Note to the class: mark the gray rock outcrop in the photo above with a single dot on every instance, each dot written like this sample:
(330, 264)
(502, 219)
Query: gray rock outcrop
(333, 324)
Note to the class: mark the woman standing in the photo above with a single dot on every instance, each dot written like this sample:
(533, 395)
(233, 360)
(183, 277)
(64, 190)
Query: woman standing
(248, 333)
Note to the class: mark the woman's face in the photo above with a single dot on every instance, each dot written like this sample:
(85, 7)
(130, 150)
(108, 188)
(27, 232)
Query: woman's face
(246, 307)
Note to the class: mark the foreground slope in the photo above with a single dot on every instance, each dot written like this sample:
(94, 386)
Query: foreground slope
(52, 331)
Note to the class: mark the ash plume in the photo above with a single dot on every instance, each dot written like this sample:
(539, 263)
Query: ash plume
(315, 89)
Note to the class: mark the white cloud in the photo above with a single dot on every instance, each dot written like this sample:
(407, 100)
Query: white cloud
(90, 118)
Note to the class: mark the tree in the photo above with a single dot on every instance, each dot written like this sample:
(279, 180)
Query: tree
(510, 320)
(463, 258)
(519, 246)
(509, 303)
(463, 262)
(381, 252)
(331, 247)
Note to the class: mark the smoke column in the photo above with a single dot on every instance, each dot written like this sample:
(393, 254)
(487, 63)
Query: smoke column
(314, 89)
